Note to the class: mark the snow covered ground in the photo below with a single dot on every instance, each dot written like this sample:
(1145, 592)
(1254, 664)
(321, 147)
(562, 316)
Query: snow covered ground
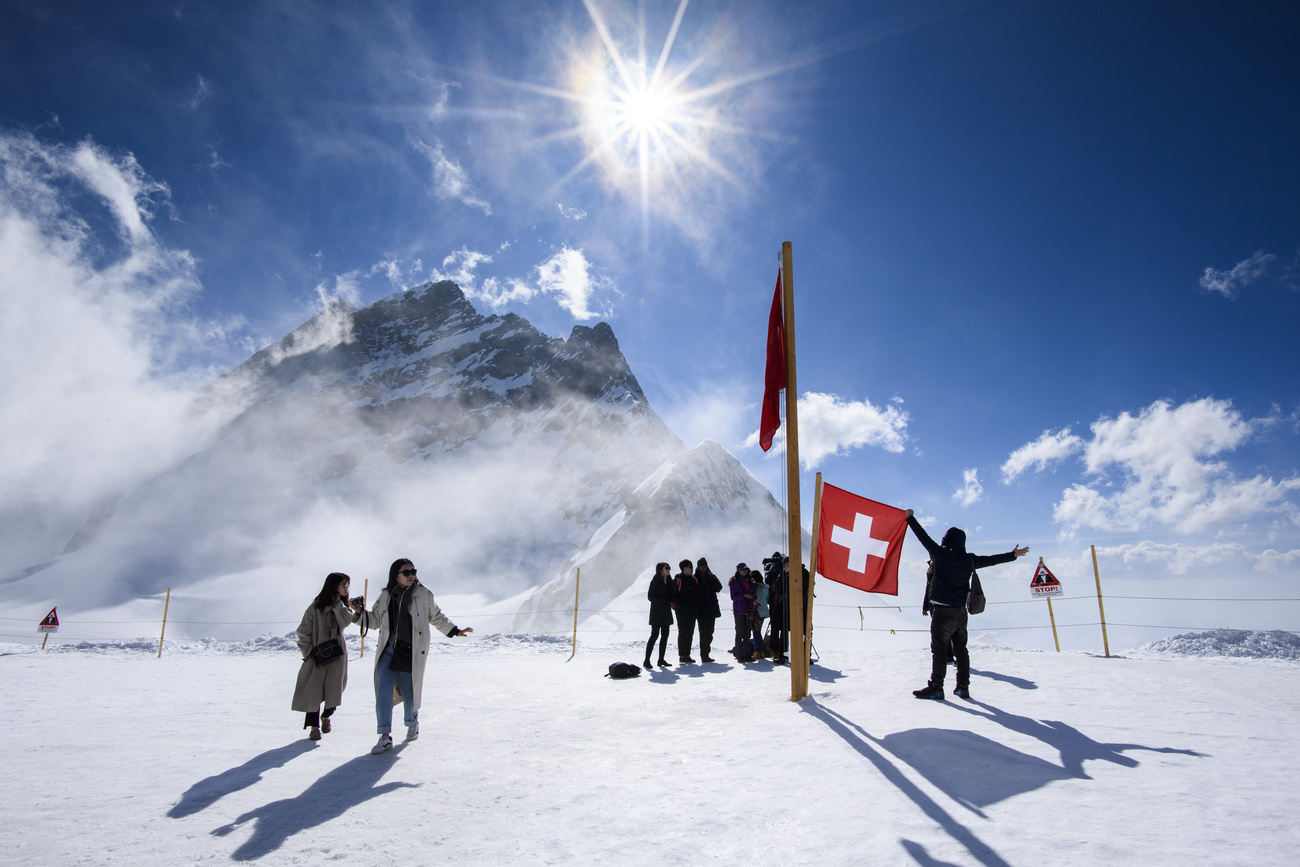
(112, 756)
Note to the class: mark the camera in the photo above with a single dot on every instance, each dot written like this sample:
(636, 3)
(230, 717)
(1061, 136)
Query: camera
(356, 600)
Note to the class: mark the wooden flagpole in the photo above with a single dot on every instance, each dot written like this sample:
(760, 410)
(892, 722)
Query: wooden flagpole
(1105, 642)
(812, 575)
(166, 604)
(798, 638)
(577, 582)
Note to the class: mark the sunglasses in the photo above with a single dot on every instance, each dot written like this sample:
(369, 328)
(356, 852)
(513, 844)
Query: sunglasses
(407, 573)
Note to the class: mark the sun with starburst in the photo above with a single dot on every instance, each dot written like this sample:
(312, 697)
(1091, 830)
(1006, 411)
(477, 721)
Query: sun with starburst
(656, 127)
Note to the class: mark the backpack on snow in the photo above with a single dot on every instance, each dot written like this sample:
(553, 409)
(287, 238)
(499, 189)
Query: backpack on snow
(622, 670)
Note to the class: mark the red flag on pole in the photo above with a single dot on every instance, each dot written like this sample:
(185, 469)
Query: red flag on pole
(859, 541)
(774, 379)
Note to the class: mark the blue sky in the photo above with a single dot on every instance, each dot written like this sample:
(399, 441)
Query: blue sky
(1047, 256)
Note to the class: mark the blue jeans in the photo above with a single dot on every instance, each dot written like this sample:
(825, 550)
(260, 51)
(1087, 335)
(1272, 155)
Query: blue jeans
(384, 680)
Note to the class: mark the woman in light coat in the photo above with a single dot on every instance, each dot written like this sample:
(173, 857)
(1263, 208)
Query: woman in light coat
(325, 619)
(403, 614)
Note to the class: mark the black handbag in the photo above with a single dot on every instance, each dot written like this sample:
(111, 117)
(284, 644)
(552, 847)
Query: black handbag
(327, 652)
(975, 599)
(400, 661)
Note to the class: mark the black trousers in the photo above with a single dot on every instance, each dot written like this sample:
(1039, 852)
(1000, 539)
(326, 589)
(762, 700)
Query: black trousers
(661, 634)
(706, 636)
(948, 627)
(743, 634)
(685, 635)
(314, 717)
(780, 632)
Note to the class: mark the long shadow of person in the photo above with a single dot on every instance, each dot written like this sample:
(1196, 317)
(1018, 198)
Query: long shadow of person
(209, 790)
(328, 798)
(1073, 745)
(1006, 678)
(865, 745)
(663, 675)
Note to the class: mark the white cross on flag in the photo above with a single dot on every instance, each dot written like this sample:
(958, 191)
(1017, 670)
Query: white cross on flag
(859, 541)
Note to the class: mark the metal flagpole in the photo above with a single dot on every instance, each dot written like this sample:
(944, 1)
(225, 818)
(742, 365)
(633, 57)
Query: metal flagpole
(798, 638)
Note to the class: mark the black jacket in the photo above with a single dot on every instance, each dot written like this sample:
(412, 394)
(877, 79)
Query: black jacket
(660, 595)
(686, 595)
(709, 589)
(953, 565)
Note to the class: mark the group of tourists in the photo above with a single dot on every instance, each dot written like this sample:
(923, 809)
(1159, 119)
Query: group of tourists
(405, 610)
(691, 599)
(403, 614)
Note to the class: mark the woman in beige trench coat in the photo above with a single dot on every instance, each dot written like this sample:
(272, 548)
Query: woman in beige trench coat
(403, 614)
(326, 618)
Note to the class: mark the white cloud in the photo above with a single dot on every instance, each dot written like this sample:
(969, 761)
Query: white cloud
(450, 180)
(1180, 559)
(442, 89)
(202, 90)
(123, 185)
(1228, 283)
(88, 332)
(459, 267)
(571, 213)
(567, 275)
(1039, 454)
(500, 292)
(971, 490)
(1169, 476)
(830, 425)
(570, 276)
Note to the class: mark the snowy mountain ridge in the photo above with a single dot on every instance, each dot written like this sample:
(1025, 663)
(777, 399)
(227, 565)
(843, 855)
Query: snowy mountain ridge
(493, 455)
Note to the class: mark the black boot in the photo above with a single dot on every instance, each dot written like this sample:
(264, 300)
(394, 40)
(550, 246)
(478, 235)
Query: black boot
(930, 692)
(663, 663)
(646, 665)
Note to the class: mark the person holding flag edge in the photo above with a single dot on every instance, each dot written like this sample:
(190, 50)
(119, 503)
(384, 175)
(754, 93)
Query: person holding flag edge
(946, 595)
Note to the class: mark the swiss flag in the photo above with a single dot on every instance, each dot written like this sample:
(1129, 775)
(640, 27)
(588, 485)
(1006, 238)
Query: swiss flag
(774, 377)
(859, 541)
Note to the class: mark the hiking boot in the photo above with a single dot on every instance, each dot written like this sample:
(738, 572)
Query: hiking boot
(962, 692)
(314, 734)
(385, 744)
(325, 725)
(686, 660)
(663, 663)
(931, 692)
(413, 731)
(706, 659)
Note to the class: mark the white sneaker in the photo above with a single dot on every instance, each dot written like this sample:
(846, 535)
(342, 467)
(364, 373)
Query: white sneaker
(385, 744)
(412, 731)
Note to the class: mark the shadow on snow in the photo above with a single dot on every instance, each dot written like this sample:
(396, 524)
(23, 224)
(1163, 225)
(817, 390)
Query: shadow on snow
(1019, 682)
(976, 771)
(331, 796)
(866, 745)
(209, 790)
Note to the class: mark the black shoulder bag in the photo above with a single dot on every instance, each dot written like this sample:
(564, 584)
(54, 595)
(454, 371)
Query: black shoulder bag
(327, 652)
(975, 600)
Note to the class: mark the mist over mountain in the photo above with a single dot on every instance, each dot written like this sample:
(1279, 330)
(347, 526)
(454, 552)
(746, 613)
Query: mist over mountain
(700, 503)
(487, 452)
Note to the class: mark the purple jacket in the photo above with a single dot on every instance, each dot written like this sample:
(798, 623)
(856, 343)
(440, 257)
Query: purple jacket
(742, 595)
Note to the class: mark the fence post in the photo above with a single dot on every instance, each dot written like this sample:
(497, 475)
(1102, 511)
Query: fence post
(1105, 642)
(1053, 616)
(166, 605)
(577, 582)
